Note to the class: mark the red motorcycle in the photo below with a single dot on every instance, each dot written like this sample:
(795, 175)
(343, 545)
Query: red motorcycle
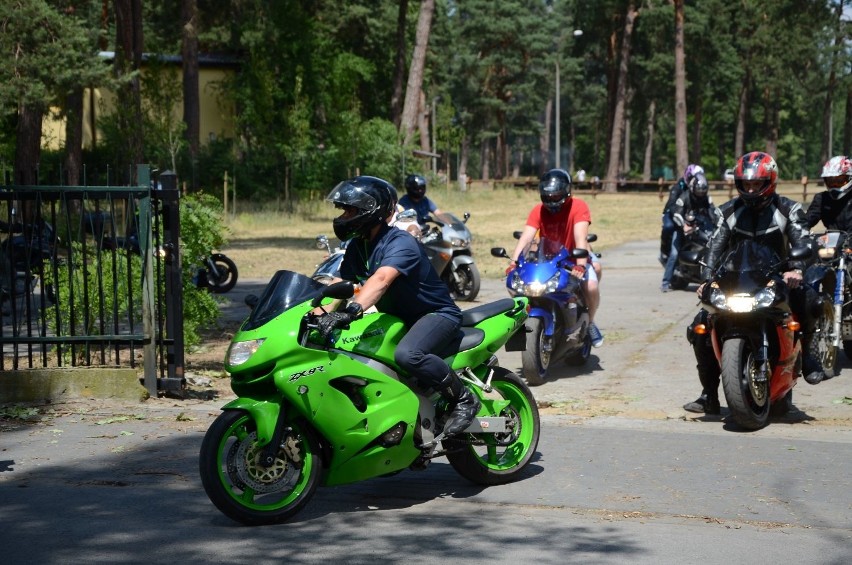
(755, 335)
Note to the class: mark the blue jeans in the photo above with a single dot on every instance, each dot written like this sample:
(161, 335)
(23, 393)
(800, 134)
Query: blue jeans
(419, 352)
(673, 253)
(667, 233)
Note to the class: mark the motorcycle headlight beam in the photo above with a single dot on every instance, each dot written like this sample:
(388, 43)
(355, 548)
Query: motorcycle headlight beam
(241, 351)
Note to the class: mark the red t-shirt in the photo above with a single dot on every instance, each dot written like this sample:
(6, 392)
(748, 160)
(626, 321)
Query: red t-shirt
(560, 226)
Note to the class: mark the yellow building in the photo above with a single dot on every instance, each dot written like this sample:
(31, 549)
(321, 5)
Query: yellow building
(216, 115)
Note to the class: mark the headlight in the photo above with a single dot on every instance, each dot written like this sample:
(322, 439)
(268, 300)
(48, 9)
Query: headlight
(241, 351)
(534, 289)
(717, 299)
(764, 298)
(458, 242)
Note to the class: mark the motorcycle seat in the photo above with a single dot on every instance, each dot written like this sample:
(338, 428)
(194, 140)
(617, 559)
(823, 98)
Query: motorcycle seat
(471, 337)
(474, 315)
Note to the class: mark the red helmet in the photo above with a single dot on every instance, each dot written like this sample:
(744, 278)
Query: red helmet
(837, 174)
(756, 177)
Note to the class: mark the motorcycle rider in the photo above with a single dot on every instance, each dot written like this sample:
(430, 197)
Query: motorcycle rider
(758, 213)
(560, 217)
(831, 207)
(416, 199)
(669, 227)
(694, 200)
(397, 278)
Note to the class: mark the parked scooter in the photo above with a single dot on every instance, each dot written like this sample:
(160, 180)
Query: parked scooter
(558, 324)
(316, 410)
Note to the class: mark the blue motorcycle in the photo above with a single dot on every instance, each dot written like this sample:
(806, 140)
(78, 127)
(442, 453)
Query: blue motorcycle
(558, 322)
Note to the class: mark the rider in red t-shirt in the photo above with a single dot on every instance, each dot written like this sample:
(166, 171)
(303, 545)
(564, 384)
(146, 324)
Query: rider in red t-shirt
(562, 218)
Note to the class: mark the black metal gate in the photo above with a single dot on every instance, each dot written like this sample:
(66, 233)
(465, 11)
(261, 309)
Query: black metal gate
(91, 276)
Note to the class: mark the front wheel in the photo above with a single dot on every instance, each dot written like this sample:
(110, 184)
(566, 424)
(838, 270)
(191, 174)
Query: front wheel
(221, 273)
(467, 286)
(494, 459)
(243, 489)
(746, 391)
(535, 358)
(823, 340)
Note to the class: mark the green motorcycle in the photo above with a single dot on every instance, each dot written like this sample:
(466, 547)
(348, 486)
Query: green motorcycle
(314, 410)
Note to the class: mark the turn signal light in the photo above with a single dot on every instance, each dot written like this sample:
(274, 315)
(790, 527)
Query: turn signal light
(700, 329)
(793, 325)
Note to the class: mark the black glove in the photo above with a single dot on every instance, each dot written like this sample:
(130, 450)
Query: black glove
(341, 319)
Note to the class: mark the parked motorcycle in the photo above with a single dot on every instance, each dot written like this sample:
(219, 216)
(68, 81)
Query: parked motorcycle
(830, 277)
(754, 333)
(447, 244)
(313, 411)
(558, 324)
(23, 254)
(690, 271)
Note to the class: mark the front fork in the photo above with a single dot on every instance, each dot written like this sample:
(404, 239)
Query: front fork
(762, 357)
(838, 301)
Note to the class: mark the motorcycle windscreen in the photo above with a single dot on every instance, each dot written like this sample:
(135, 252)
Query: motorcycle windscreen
(548, 250)
(285, 290)
(749, 264)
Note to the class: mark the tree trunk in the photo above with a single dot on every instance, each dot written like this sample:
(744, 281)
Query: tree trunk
(128, 58)
(415, 72)
(618, 120)
(773, 124)
(423, 124)
(28, 143)
(73, 136)
(649, 141)
(399, 69)
(485, 159)
(544, 140)
(681, 143)
(697, 116)
(464, 153)
(742, 111)
(189, 56)
(827, 150)
(847, 126)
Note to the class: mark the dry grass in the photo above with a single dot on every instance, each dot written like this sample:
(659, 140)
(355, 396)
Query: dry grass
(264, 241)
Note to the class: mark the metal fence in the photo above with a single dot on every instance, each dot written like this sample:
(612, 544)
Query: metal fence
(90, 276)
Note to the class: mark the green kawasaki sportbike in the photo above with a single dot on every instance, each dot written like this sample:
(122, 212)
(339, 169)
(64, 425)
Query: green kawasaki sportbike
(312, 413)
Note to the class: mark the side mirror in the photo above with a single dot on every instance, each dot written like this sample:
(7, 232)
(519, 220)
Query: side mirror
(801, 252)
(322, 242)
(499, 252)
(466, 216)
(580, 253)
(592, 237)
(517, 234)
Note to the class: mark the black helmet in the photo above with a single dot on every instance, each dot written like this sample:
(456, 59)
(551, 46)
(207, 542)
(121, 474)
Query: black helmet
(372, 198)
(554, 187)
(415, 186)
(698, 185)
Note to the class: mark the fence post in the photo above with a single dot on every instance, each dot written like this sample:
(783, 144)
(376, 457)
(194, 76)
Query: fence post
(804, 188)
(149, 349)
(174, 282)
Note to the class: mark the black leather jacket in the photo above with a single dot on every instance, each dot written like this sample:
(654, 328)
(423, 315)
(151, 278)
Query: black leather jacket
(706, 214)
(834, 214)
(780, 225)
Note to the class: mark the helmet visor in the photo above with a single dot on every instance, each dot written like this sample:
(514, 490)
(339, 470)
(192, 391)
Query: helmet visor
(835, 183)
(553, 197)
(346, 194)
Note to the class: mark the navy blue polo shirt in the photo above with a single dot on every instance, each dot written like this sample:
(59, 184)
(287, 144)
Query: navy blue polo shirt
(423, 207)
(417, 291)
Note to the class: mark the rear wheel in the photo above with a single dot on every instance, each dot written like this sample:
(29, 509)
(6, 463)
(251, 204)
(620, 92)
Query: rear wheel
(579, 357)
(243, 489)
(493, 459)
(535, 359)
(746, 391)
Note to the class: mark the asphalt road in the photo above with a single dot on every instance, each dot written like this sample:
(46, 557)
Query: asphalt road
(622, 473)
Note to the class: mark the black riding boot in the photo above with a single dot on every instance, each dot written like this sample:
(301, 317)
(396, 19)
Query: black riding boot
(811, 364)
(708, 375)
(462, 402)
